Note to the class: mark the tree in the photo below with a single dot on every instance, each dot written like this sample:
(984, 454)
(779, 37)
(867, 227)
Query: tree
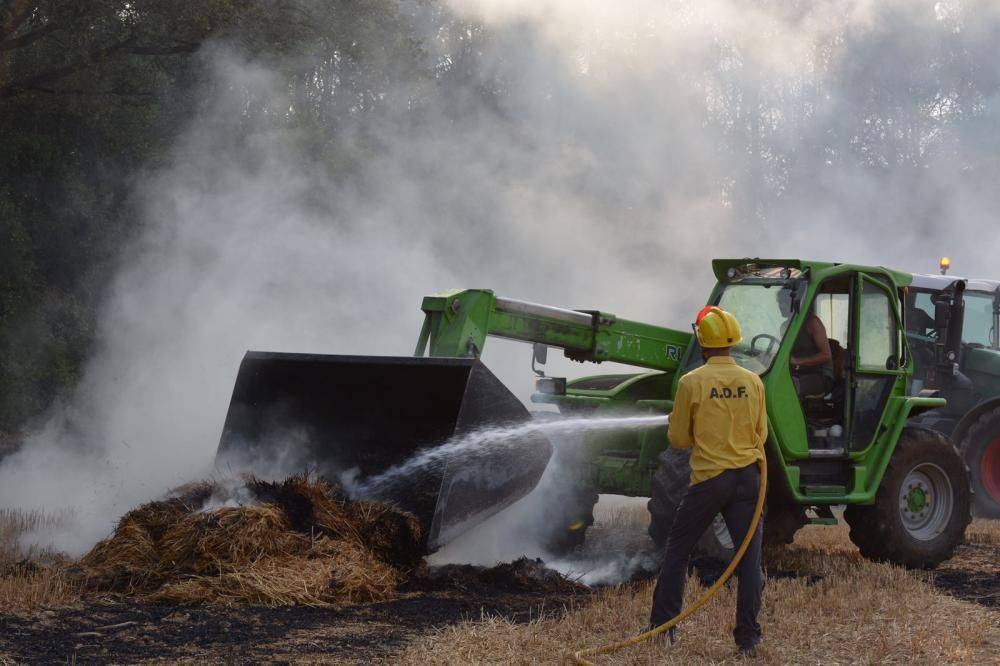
(94, 92)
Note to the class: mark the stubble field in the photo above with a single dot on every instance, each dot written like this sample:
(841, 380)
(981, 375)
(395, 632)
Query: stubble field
(823, 604)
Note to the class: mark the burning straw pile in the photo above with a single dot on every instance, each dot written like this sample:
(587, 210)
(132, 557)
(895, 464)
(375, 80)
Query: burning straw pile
(300, 541)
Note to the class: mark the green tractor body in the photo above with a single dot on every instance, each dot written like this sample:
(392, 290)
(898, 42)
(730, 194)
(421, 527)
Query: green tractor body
(858, 445)
(961, 363)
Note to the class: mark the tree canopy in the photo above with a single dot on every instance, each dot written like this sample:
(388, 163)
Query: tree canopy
(92, 95)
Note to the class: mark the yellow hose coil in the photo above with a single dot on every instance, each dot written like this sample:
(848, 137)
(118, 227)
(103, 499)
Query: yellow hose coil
(580, 656)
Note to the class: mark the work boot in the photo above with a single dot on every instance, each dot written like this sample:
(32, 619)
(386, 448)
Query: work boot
(669, 635)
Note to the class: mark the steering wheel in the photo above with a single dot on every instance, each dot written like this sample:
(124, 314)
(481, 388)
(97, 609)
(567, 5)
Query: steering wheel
(771, 340)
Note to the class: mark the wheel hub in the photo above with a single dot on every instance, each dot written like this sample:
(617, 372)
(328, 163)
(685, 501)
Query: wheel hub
(925, 501)
(917, 499)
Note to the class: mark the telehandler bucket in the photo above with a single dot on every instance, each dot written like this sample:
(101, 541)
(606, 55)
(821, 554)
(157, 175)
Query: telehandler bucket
(353, 418)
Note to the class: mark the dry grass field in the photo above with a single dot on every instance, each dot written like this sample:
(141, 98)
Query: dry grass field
(822, 604)
(982, 531)
(30, 579)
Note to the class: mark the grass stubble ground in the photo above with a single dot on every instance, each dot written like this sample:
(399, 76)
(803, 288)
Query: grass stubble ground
(835, 608)
(838, 609)
(32, 579)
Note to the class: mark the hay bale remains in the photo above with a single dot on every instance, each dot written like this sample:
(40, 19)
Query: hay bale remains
(357, 577)
(229, 539)
(530, 575)
(301, 541)
(523, 575)
(388, 532)
(319, 507)
(125, 563)
(266, 582)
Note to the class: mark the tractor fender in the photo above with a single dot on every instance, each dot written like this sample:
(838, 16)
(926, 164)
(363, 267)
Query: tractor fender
(914, 406)
(970, 417)
(911, 406)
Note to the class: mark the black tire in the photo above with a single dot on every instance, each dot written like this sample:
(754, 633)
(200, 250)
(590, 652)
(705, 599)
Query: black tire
(782, 520)
(569, 520)
(912, 530)
(670, 482)
(716, 543)
(981, 452)
(783, 516)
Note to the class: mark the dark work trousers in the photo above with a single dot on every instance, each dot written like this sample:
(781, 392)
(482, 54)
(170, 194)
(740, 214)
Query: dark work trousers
(732, 493)
(812, 384)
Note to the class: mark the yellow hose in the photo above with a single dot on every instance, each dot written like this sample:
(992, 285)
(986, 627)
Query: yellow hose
(579, 657)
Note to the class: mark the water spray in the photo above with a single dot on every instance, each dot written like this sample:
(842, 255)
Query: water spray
(496, 438)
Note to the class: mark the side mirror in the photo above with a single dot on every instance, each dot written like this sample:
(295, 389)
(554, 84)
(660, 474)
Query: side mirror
(942, 315)
(949, 310)
(541, 353)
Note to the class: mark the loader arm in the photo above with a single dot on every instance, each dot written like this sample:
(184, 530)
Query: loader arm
(456, 325)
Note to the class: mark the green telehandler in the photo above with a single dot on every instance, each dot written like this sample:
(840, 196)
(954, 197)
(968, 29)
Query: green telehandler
(861, 444)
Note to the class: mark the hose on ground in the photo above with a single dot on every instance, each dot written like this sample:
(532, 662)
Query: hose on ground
(580, 656)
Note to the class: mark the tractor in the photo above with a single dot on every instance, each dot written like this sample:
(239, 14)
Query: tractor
(960, 362)
(861, 444)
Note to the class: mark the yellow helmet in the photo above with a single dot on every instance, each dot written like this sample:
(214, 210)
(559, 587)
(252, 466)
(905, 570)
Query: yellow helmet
(717, 328)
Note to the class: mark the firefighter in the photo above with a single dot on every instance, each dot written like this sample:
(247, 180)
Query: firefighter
(719, 414)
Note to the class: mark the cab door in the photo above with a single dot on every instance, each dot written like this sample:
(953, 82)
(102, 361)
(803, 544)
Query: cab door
(877, 359)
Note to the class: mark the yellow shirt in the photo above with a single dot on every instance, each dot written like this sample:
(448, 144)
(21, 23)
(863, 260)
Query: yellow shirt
(719, 411)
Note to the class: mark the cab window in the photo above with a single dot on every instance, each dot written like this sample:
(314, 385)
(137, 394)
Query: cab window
(977, 328)
(877, 330)
(920, 314)
(834, 310)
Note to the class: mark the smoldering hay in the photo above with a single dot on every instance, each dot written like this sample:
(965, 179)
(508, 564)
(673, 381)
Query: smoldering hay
(300, 541)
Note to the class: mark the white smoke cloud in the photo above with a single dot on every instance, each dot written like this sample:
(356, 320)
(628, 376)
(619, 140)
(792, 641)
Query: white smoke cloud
(629, 144)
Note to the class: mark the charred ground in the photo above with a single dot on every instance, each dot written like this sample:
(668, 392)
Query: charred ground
(973, 574)
(124, 631)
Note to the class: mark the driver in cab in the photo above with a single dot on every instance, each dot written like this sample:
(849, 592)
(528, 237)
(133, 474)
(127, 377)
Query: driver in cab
(812, 358)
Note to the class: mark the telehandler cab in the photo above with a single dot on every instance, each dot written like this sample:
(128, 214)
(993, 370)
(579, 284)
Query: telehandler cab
(905, 486)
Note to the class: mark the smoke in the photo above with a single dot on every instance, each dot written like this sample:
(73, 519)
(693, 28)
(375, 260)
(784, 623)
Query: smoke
(584, 154)
(614, 550)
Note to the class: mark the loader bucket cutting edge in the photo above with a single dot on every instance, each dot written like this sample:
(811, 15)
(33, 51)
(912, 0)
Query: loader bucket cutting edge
(360, 415)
